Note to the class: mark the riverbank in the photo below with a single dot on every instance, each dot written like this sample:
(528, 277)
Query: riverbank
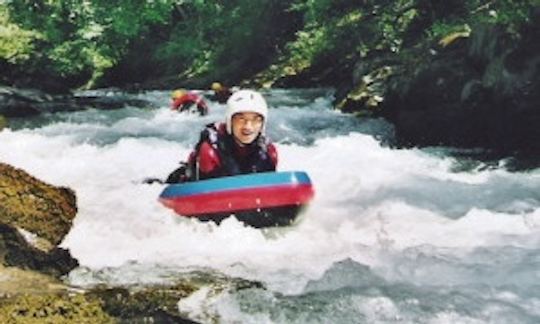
(472, 85)
(463, 75)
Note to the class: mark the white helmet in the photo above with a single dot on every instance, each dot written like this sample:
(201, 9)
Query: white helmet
(245, 101)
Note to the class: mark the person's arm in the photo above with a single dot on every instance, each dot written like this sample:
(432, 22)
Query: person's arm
(182, 173)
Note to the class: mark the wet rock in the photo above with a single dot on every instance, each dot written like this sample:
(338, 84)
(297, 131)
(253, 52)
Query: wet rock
(34, 218)
(475, 89)
(164, 303)
(28, 297)
(481, 91)
(16, 251)
(15, 281)
(37, 207)
(153, 304)
(28, 102)
(82, 102)
(31, 297)
(368, 92)
(211, 286)
(21, 103)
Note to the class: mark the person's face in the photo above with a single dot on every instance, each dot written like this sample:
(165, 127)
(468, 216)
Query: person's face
(246, 126)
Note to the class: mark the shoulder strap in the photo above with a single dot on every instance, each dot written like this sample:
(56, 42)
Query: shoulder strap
(210, 134)
(262, 143)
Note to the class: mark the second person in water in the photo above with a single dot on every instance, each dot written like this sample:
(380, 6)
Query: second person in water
(183, 100)
(236, 146)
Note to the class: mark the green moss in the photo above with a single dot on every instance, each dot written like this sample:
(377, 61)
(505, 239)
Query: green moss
(123, 303)
(3, 122)
(35, 206)
(56, 309)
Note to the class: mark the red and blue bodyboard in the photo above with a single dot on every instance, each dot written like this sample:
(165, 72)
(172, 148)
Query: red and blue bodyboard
(250, 192)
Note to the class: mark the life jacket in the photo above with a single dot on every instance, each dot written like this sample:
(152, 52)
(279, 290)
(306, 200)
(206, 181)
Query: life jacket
(185, 102)
(256, 159)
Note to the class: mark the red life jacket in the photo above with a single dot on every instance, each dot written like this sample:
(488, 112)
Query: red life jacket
(185, 102)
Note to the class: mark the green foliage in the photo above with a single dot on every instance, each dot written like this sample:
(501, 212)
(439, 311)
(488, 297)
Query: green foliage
(441, 29)
(222, 39)
(248, 30)
(190, 36)
(69, 58)
(16, 44)
(340, 31)
(80, 40)
(315, 11)
(509, 14)
(308, 45)
(503, 11)
(127, 41)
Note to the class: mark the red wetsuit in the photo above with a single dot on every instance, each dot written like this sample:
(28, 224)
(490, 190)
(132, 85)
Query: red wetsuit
(190, 98)
(219, 155)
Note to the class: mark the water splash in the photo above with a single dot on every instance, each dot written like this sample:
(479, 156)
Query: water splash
(421, 241)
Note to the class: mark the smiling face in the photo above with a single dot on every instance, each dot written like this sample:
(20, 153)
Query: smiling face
(246, 126)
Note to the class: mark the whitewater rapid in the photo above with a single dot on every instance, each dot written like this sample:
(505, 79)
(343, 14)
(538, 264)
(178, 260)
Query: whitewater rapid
(404, 214)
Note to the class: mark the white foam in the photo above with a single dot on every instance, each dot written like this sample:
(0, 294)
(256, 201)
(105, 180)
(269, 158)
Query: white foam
(369, 198)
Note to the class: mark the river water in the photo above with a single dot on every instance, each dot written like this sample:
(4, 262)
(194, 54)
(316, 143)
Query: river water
(392, 236)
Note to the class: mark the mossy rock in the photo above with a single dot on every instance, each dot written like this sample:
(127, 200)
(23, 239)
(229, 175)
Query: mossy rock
(151, 304)
(16, 251)
(19, 282)
(3, 122)
(52, 308)
(160, 303)
(35, 206)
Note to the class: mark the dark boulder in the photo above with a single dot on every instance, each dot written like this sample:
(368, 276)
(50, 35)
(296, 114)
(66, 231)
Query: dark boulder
(15, 251)
(21, 103)
(29, 102)
(482, 91)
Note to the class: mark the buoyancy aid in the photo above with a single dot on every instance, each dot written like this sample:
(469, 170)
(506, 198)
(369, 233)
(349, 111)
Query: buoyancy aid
(233, 159)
